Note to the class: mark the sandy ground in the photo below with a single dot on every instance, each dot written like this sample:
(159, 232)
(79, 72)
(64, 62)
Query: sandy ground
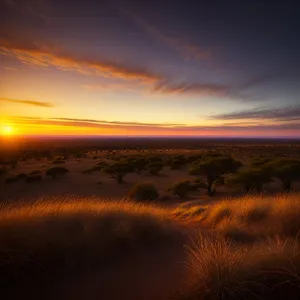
(101, 185)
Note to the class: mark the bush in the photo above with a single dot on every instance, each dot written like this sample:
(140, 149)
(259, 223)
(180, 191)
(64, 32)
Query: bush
(181, 188)
(58, 162)
(144, 192)
(286, 170)
(36, 172)
(33, 178)
(176, 164)
(155, 167)
(56, 171)
(252, 179)
(93, 169)
(3, 171)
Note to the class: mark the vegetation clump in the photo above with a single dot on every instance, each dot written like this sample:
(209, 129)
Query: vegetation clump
(118, 170)
(56, 171)
(144, 192)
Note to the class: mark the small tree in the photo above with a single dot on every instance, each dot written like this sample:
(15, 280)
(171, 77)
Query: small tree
(139, 164)
(212, 170)
(181, 188)
(252, 179)
(155, 167)
(144, 192)
(118, 170)
(56, 171)
(286, 170)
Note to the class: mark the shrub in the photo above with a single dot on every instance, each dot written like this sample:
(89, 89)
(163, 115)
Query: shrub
(3, 171)
(139, 164)
(58, 162)
(118, 170)
(181, 188)
(56, 171)
(176, 164)
(16, 178)
(36, 172)
(33, 178)
(155, 167)
(252, 179)
(21, 176)
(144, 192)
(286, 170)
(93, 169)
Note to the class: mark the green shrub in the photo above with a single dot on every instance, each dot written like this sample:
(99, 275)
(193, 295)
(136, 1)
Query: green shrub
(144, 192)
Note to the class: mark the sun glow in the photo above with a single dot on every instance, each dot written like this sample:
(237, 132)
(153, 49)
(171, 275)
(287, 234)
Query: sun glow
(7, 130)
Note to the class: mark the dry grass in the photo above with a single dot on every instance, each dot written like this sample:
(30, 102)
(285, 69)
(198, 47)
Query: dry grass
(220, 269)
(251, 252)
(69, 236)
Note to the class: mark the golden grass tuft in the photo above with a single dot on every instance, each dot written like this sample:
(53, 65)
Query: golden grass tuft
(220, 269)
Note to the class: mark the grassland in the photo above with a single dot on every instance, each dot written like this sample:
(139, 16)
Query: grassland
(234, 249)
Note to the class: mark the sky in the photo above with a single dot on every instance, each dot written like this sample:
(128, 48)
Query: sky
(150, 68)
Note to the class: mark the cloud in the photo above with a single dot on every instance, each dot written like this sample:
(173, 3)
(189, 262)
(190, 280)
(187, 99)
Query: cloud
(27, 102)
(136, 128)
(66, 62)
(116, 122)
(288, 113)
(167, 87)
(187, 50)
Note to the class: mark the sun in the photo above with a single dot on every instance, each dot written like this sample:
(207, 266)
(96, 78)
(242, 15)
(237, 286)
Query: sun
(7, 130)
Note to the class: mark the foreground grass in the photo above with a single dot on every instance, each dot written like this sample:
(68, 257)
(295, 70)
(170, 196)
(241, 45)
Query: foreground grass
(245, 248)
(250, 250)
(66, 237)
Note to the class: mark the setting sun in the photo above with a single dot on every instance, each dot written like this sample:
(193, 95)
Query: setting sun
(7, 130)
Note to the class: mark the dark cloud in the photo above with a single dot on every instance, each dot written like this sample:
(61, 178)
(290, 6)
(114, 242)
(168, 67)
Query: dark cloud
(27, 102)
(281, 114)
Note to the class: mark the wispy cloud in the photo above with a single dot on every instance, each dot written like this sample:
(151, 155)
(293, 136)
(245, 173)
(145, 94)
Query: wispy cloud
(27, 102)
(116, 122)
(288, 113)
(132, 128)
(167, 87)
(187, 50)
(66, 62)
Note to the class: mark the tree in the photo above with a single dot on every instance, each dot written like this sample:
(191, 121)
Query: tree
(56, 171)
(144, 192)
(286, 170)
(155, 167)
(252, 179)
(181, 188)
(118, 170)
(212, 170)
(139, 164)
